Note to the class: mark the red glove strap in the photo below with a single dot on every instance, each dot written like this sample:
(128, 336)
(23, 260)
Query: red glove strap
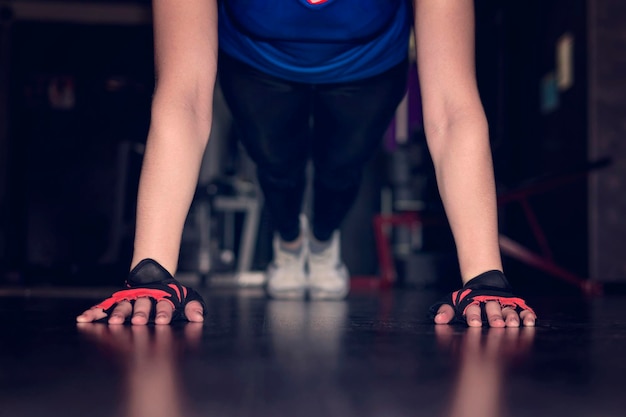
(133, 294)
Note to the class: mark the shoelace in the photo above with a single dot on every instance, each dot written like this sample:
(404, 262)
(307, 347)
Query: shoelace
(326, 258)
(284, 258)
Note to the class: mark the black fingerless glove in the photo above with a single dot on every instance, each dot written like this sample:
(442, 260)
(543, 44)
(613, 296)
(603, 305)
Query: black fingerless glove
(150, 279)
(488, 286)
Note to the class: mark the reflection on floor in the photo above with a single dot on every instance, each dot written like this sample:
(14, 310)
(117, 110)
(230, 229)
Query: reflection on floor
(376, 354)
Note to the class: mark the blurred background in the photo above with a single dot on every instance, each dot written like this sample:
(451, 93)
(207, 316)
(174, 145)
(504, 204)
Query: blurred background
(76, 79)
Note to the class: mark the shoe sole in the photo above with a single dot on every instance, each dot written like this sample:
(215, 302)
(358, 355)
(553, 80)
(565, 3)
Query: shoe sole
(297, 294)
(320, 294)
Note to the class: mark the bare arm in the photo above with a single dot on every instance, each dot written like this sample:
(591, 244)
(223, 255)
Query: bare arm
(185, 45)
(458, 137)
(186, 63)
(456, 129)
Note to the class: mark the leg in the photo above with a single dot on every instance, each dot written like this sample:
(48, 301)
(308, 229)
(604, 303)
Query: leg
(272, 118)
(349, 123)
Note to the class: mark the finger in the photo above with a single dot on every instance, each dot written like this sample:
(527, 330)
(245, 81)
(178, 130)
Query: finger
(91, 315)
(473, 317)
(120, 312)
(141, 311)
(164, 311)
(445, 314)
(510, 317)
(528, 318)
(494, 314)
(193, 312)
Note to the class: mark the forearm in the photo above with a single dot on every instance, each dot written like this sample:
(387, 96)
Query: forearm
(174, 150)
(185, 42)
(464, 169)
(457, 131)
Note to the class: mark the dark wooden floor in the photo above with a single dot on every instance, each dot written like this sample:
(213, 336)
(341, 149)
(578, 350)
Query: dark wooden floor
(375, 354)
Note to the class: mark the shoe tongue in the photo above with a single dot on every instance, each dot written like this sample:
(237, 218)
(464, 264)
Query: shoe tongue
(290, 249)
(318, 247)
(147, 271)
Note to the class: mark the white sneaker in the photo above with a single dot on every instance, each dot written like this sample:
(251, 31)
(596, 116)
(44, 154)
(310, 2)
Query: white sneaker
(286, 275)
(328, 276)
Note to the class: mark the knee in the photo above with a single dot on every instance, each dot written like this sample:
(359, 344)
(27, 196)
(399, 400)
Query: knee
(338, 179)
(280, 177)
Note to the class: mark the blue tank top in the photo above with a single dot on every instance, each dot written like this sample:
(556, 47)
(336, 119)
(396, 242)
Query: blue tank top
(330, 41)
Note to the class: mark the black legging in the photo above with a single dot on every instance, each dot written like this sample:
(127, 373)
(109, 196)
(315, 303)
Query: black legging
(283, 124)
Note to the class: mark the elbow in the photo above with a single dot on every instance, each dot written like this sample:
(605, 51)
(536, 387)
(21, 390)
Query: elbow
(188, 103)
(459, 128)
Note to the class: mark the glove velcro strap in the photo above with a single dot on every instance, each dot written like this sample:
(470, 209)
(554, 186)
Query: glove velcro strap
(150, 280)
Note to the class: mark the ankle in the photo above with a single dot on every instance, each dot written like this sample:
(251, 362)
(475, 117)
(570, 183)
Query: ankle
(318, 246)
(292, 246)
